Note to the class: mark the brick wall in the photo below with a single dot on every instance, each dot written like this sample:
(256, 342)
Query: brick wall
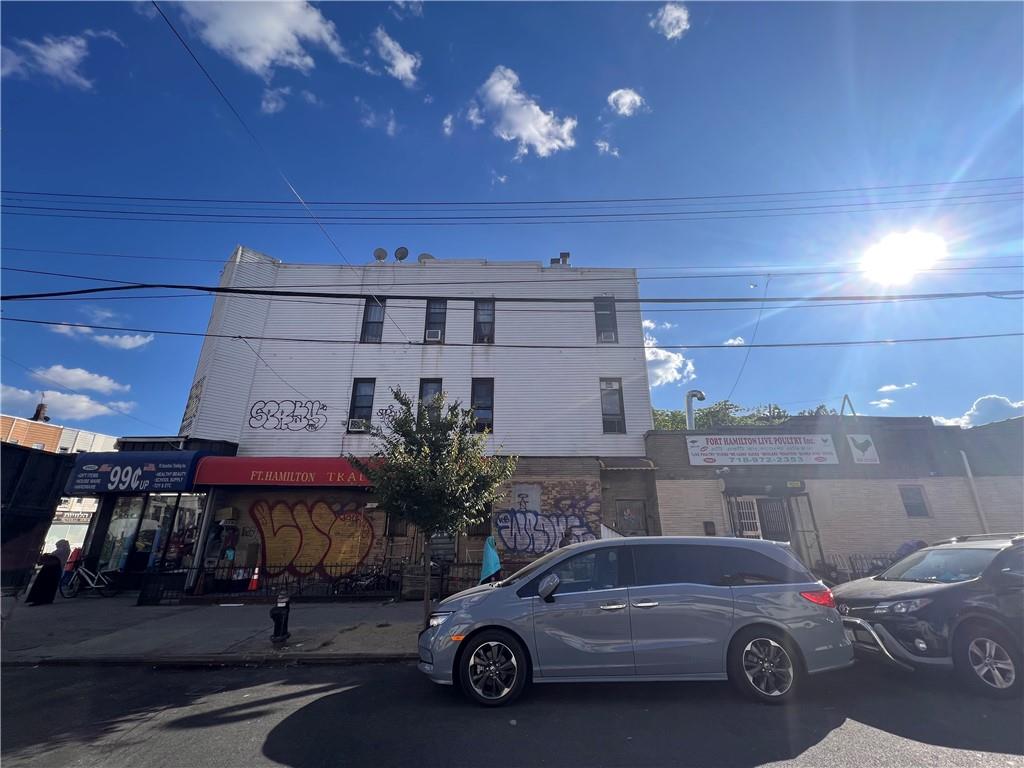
(1002, 498)
(684, 505)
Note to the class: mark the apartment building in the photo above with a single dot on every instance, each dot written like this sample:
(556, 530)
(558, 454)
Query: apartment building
(549, 356)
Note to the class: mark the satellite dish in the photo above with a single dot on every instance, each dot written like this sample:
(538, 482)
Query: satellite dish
(401, 253)
(424, 257)
(380, 254)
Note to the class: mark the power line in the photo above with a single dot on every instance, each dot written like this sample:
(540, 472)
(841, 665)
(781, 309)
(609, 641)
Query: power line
(957, 182)
(273, 370)
(561, 216)
(587, 347)
(218, 289)
(43, 376)
(436, 223)
(256, 140)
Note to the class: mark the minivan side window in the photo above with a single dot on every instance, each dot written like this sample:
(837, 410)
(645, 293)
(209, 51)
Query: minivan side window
(745, 567)
(678, 564)
(605, 568)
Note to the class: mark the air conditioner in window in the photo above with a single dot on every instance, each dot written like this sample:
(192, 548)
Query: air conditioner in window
(607, 336)
(609, 385)
(433, 335)
(358, 425)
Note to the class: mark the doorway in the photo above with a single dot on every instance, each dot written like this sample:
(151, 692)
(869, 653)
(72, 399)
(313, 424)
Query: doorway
(788, 519)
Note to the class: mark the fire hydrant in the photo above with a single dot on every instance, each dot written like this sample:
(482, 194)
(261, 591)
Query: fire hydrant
(279, 614)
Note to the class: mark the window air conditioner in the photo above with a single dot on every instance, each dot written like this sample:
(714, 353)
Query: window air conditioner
(358, 425)
(607, 335)
(433, 335)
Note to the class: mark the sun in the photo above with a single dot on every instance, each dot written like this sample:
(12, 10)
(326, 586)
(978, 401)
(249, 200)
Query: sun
(897, 257)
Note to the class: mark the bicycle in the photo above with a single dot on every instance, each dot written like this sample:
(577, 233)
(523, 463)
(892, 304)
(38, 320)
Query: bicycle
(82, 578)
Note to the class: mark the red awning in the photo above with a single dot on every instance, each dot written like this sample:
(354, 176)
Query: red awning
(278, 470)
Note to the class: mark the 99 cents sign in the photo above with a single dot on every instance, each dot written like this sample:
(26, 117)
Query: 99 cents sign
(126, 478)
(136, 472)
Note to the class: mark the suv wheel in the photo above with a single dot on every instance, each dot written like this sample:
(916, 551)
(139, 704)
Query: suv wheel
(764, 665)
(988, 660)
(493, 669)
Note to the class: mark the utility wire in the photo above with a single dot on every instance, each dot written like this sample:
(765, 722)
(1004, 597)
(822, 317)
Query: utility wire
(272, 369)
(588, 347)
(218, 289)
(753, 338)
(256, 140)
(44, 377)
(502, 202)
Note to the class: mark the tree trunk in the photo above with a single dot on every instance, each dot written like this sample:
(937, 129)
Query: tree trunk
(426, 579)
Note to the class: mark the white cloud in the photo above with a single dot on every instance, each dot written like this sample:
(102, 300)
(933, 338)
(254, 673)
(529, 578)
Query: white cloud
(672, 20)
(124, 340)
(473, 115)
(391, 127)
(260, 37)
(367, 117)
(625, 101)
(70, 330)
(78, 378)
(404, 9)
(497, 178)
(604, 148)
(59, 58)
(665, 366)
(517, 117)
(59, 404)
(736, 341)
(125, 406)
(144, 8)
(273, 100)
(897, 387)
(311, 98)
(885, 402)
(399, 63)
(428, 99)
(985, 410)
(650, 325)
(99, 315)
(448, 124)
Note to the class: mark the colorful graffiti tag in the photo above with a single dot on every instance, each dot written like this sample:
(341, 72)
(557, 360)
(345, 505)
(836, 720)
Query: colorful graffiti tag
(302, 538)
(527, 532)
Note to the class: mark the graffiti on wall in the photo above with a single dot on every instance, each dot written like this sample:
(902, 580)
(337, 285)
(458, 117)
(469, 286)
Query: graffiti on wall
(526, 531)
(304, 538)
(288, 415)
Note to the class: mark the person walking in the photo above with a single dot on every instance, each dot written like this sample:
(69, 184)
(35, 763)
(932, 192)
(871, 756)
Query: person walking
(491, 568)
(62, 550)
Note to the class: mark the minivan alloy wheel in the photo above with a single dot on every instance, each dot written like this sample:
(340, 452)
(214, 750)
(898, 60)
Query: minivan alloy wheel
(991, 662)
(768, 666)
(493, 670)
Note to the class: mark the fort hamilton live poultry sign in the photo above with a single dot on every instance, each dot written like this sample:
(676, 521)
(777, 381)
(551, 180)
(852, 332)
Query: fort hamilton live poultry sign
(733, 450)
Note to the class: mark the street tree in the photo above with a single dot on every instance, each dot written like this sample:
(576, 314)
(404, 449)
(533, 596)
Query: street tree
(431, 469)
(726, 413)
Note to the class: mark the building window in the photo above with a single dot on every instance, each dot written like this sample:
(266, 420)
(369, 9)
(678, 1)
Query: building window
(631, 517)
(913, 500)
(482, 403)
(397, 526)
(604, 316)
(373, 321)
(361, 409)
(483, 322)
(434, 330)
(37, 446)
(429, 389)
(611, 406)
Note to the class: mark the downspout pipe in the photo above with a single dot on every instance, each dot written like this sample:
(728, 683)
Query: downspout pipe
(974, 493)
(693, 393)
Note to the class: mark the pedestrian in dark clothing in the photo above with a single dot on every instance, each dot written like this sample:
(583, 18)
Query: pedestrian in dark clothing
(44, 586)
(62, 549)
(566, 539)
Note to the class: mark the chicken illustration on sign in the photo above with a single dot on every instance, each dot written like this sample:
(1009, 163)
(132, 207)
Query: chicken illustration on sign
(863, 449)
(305, 538)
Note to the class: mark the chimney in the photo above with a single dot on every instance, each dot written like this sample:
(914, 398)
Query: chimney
(40, 414)
(563, 257)
(555, 262)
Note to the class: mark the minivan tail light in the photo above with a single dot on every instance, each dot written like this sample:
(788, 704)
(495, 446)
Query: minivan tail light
(820, 597)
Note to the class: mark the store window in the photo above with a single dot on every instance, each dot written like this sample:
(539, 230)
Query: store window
(181, 544)
(119, 542)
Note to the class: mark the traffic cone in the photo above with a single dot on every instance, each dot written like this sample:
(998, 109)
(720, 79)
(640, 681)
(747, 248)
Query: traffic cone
(254, 582)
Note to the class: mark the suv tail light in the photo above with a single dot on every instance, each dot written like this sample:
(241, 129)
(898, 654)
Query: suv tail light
(820, 597)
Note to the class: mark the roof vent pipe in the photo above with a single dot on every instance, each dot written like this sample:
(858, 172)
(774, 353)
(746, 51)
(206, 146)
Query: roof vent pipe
(563, 257)
(693, 393)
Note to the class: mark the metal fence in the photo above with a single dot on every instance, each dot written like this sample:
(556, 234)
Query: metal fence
(859, 565)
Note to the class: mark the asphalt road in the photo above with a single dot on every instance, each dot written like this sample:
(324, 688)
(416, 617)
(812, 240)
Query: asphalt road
(388, 715)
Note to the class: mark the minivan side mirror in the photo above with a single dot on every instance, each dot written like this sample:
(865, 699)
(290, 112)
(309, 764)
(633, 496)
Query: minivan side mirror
(548, 585)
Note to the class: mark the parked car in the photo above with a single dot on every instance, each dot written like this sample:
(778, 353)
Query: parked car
(954, 605)
(640, 608)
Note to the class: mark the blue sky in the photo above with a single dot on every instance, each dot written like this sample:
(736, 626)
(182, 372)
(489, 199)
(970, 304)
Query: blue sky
(544, 101)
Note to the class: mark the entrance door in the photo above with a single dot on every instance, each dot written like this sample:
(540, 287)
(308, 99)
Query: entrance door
(584, 630)
(773, 518)
(745, 518)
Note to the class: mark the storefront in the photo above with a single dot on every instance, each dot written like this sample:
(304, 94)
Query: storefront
(148, 515)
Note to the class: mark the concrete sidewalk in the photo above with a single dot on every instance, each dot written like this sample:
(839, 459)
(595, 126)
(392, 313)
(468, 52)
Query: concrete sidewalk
(96, 630)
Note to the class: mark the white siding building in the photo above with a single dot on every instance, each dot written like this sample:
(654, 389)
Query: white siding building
(283, 395)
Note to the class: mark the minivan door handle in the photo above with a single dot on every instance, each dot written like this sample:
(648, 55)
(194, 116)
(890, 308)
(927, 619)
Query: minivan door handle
(648, 604)
(613, 606)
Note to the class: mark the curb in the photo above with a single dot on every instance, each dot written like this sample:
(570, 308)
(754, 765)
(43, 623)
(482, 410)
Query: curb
(254, 660)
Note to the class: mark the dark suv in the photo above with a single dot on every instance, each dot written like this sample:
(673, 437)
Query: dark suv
(958, 604)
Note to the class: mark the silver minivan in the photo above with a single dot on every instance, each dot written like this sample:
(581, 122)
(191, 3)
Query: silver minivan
(642, 608)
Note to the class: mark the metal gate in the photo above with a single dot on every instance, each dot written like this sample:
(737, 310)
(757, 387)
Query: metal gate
(759, 517)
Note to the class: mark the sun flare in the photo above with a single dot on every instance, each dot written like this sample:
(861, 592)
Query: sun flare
(897, 257)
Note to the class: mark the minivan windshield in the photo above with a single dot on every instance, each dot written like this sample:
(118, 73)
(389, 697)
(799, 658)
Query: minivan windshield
(528, 570)
(944, 566)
